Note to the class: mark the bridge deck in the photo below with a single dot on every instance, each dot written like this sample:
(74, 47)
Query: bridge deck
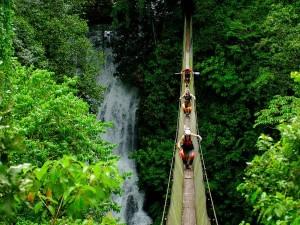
(188, 213)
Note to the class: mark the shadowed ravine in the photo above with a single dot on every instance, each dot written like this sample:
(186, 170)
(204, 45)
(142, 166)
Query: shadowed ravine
(120, 106)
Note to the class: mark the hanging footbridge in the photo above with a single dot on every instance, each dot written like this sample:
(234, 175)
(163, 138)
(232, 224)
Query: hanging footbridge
(190, 196)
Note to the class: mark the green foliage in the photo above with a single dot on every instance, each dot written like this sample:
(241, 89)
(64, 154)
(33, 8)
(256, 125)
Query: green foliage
(153, 169)
(107, 220)
(47, 121)
(280, 45)
(28, 49)
(296, 77)
(42, 120)
(229, 100)
(68, 187)
(53, 35)
(134, 23)
(62, 188)
(6, 52)
(272, 179)
(53, 120)
(13, 185)
(271, 184)
(155, 114)
(9, 140)
(158, 117)
(220, 77)
(153, 166)
(5, 32)
(281, 109)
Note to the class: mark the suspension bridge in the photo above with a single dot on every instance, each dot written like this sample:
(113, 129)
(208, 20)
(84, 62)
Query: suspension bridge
(190, 199)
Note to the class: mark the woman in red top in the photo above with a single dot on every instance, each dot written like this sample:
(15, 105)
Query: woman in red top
(186, 147)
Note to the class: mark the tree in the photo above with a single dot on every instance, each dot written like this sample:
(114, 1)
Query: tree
(53, 35)
(65, 188)
(53, 120)
(271, 183)
(40, 122)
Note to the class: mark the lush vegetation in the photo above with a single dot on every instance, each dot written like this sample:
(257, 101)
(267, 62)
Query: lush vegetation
(53, 35)
(251, 63)
(248, 55)
(271, 183)
(54, 167)
(245, 52)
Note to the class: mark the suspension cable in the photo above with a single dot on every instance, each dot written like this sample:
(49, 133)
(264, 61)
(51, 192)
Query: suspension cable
(204, 169)
(173, 159)
(208, 187)
(168, 187)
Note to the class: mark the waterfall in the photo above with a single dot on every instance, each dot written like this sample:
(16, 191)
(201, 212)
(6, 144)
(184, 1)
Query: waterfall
(119, 106)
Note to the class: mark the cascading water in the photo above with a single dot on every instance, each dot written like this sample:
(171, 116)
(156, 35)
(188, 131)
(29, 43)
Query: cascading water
(120, 106)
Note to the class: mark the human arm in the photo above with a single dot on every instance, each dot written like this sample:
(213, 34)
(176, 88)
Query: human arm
(179, 142)
(197, 136)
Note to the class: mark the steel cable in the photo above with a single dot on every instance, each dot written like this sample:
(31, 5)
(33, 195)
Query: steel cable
(172, 162)
(204, 170)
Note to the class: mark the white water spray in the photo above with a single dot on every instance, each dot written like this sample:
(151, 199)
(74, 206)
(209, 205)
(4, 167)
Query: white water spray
(120, 106)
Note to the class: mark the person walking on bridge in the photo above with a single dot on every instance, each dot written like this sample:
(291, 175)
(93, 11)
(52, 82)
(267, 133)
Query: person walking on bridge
(187, 76)
(186, 147)
(187, 105)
